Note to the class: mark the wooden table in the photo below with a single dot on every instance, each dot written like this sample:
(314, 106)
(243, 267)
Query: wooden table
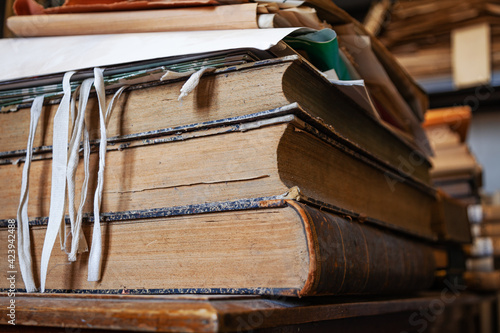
(212, 313)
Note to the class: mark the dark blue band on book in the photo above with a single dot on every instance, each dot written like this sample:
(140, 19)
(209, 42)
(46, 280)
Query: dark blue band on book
(241, 204)
(167, 291)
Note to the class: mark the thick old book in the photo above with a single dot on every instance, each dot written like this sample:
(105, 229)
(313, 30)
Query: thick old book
(263, 158)
(243, 16)
(244, 90)
(196, 17)
(451, 219)
(278, 247)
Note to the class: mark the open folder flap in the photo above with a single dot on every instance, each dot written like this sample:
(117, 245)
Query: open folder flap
(28, 57)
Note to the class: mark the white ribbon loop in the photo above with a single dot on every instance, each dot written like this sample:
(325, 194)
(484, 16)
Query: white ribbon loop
(94, 270)
(74, 145)
(58, 188)
(23, 232)
(64, 175)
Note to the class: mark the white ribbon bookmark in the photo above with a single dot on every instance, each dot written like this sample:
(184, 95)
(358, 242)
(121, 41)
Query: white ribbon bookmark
(81, 245)
(78, 243)
(58, 188)
(193, 82)
(23, 232)
(64, 175)
(94, 270)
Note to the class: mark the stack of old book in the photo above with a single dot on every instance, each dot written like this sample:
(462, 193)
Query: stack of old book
(483, 269)
(458, 175)
(439, 40)
(455, 169)
(228, 167)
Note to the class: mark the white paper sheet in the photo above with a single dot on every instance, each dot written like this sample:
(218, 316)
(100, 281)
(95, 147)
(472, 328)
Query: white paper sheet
(471, 55)
(356, 90)
(372, 71)
(26, 57)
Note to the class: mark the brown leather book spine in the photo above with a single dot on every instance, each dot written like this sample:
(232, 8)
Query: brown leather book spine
(348, 257)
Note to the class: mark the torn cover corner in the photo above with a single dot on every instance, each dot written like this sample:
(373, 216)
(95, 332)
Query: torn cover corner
(293, 194)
